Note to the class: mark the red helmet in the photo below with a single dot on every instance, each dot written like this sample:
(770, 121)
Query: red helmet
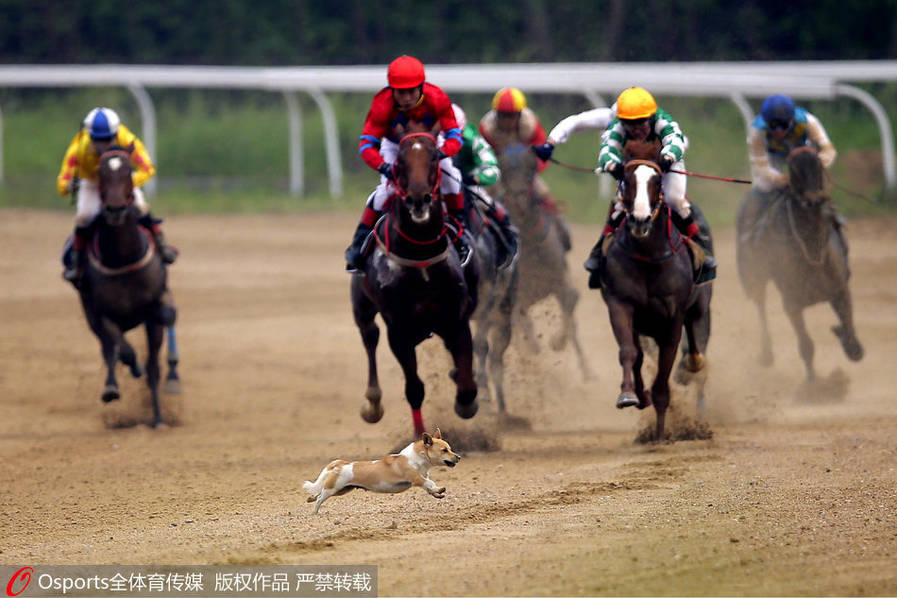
(405, 72)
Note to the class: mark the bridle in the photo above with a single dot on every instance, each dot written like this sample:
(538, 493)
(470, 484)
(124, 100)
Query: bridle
(400, 191)
(660, 202)
(124, 154)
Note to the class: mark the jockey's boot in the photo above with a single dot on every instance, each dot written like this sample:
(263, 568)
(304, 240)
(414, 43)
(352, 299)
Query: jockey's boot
(595, 261)
(168, 253)
(690, 230)
(509, 233)
(75, 269)
(460, 237)
(354, 257)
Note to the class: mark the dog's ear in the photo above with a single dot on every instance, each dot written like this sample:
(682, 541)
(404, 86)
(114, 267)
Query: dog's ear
(437, 433)
(428, 440)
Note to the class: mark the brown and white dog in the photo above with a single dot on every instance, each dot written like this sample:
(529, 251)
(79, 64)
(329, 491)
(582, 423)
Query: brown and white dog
(391, 474)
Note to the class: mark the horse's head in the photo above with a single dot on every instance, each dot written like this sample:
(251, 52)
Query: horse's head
(116, 184)
(417, 177)
(641, 191)
(806, 176)
(518, 165)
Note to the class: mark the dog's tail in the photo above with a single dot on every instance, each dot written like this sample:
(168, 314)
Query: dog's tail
(314, 488)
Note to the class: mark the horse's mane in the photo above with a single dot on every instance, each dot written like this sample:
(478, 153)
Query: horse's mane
(641, 150)
(806, 174)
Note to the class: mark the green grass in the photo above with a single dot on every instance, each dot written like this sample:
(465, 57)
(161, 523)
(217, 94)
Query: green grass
(226, 151)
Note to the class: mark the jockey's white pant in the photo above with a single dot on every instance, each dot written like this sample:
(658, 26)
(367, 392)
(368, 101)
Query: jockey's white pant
(449, 184)
(89, 202)
(673, 192)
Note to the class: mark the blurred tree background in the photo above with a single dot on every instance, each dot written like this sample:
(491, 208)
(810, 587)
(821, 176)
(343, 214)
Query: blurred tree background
(297, 32)
(227, 149)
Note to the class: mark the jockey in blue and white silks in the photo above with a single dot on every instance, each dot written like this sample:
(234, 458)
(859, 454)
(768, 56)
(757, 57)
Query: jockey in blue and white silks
(779, 128)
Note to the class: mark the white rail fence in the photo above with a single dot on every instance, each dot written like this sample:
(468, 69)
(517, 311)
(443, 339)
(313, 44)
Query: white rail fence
(733, 80)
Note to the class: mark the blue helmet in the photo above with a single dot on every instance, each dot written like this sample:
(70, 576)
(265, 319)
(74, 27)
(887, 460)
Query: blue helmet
(778, 108)
(101, 123)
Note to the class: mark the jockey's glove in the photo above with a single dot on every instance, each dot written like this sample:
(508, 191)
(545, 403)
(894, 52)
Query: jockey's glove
(544, 151)
(666, 162)
(386, 170)
(616, 171)
(440, 155)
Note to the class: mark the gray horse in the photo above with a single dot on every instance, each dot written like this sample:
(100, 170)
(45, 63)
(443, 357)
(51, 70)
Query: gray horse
(794, 239)
(544, 243)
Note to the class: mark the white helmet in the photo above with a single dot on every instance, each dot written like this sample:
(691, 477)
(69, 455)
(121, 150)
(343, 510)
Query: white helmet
(102, 123)
(460, 117)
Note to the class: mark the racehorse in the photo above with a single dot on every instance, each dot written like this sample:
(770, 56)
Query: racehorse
(543, 249)
(497, 295)
(793, 239)
(648, 285)
(416, 282)
(125, 282)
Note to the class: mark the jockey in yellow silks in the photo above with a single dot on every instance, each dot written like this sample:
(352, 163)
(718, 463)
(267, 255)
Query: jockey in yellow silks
(103, 129)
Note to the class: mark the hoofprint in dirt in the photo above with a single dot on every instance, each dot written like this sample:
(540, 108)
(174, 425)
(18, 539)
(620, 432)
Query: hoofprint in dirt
(793, 491)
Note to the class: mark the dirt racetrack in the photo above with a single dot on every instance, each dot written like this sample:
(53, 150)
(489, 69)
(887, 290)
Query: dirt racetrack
(795, 494)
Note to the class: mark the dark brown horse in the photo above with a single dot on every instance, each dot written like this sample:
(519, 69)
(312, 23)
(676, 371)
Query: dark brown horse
(415, 281)
(125, 281)
(792, 238)
(648, 286)
(543, 250)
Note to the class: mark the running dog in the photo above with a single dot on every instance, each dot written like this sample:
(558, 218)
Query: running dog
(391, 474)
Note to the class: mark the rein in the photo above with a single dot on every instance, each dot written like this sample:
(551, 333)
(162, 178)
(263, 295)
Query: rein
(685, 172)
(800, 240)
(422, 265)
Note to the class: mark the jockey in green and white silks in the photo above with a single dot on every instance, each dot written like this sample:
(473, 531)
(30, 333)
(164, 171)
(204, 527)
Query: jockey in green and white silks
(638, 117)
(779, 128)
(662, 125)
(479, 169)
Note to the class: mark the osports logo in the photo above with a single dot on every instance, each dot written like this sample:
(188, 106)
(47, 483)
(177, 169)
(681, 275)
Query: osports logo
(22, 576)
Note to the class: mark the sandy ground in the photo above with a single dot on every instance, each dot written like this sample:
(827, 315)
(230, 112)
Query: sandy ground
(795, 494)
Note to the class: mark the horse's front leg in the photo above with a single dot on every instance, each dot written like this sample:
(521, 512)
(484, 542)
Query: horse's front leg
(765, 358)
(460, 344)
(805, 343)
(568, 297)
(154, 334)
(364, 312)
(660, 390)
(110, 339)
(621, 321)
(402, 344)
(846, 333)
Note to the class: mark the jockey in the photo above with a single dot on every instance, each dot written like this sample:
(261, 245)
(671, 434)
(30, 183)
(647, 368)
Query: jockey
(479, 168)
(511, 121)
(639, 118)
(595, 119)
(779, 128)
(103, 129)
(407, 98)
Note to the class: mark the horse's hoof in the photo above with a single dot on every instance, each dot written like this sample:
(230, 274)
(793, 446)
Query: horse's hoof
(467, 410)
(372, 412)
(136, 370)
(854, 350)
(627, 399)
(110, 393)
(172, 386)
(694, 363)
(558, 343)
(852, 347)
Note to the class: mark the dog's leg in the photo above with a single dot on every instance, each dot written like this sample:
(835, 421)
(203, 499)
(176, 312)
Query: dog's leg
(430, 486)
(325, 494)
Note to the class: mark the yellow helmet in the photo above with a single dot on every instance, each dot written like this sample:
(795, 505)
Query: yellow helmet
(508, 99)
(635, 103)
